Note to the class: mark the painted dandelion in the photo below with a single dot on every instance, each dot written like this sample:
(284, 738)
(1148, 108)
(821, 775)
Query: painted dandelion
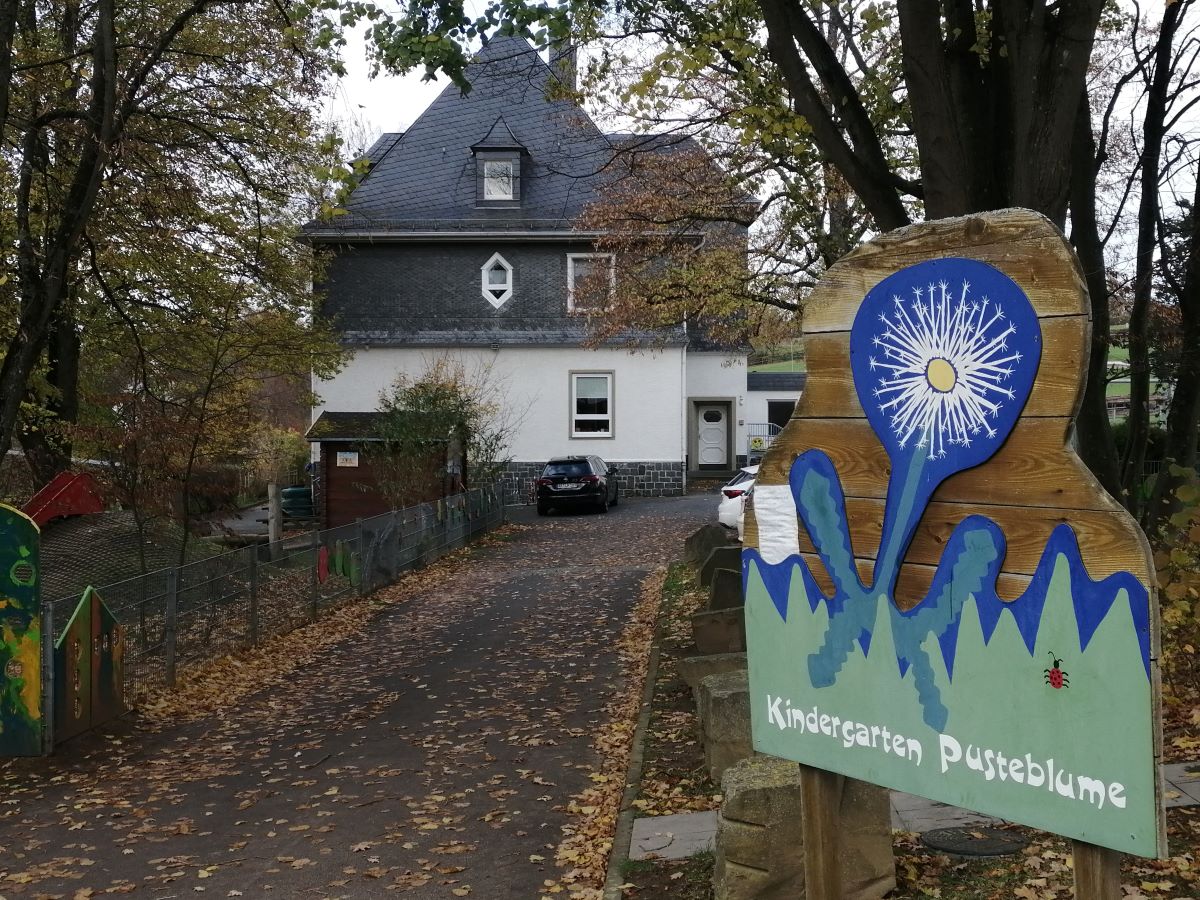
(942, 364)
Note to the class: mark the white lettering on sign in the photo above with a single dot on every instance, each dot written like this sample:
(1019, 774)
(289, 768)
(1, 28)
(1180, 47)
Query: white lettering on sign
(989, 764)
(782, 714)
(347, 459)
(992, 764)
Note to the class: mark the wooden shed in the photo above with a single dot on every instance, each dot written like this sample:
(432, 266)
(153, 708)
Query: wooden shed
(352, 465)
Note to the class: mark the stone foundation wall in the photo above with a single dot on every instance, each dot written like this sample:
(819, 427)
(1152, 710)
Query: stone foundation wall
(637, 479)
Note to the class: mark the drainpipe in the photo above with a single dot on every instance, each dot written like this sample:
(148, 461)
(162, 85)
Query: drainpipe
(683, 430)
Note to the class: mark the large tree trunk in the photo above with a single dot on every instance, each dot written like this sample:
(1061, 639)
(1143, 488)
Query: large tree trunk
(44, 278)
(8, 31)
(47, 443)
(1153, 129)
(980, 120)
(1092, 428)
(47, 248)
(994, 104)
(1183, 416)
(840, 125)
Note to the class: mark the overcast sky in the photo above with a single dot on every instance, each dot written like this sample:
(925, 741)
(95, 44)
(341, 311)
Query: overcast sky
(384, 103)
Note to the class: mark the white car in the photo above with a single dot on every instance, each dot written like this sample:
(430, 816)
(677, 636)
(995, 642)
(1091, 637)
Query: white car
(731, 509)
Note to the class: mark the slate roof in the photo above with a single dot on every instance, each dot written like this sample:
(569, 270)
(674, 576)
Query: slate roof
(425, 179)
(499, 137)
(776, 381)
(480, 332)
(382, 145)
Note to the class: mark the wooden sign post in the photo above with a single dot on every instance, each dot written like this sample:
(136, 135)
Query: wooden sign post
(940, 598)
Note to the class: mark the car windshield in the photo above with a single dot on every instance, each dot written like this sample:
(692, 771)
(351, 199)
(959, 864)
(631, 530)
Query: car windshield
(740, 477)
(567, 468)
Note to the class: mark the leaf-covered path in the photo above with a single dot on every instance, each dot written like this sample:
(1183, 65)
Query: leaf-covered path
(434, 753)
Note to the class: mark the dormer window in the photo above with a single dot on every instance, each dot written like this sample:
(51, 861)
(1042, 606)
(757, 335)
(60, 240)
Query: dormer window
(497, 280)
(498, 178)
(498, 156)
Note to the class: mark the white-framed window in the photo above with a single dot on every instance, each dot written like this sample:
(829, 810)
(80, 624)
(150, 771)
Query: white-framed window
(587, 269)
(497, 280)
(498, 179)
(591, 404)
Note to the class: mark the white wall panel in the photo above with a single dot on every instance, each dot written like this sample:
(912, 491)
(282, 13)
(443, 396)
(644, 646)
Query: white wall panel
(535, 384)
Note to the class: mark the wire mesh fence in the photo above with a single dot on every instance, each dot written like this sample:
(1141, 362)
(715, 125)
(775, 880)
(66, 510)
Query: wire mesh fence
(181, 615)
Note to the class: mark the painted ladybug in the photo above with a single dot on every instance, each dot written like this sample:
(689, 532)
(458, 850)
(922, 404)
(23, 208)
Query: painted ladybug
(1055, 676)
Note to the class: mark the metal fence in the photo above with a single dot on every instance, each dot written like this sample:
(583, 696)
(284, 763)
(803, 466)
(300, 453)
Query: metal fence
(759, 437)
(184, 614)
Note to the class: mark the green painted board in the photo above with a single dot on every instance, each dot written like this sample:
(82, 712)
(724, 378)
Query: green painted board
(20, 630)
(108, 663)
(73, 674)
(89, 675)
(1012, 745)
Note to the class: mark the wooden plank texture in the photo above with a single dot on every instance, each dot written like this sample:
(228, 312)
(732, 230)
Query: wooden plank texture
(1031, 253)
(820, 800)
(1097, 872)
(829, 391)
(1039, 470)
(1026, 530)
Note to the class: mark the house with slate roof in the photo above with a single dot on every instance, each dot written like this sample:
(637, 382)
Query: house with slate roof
(461, 241)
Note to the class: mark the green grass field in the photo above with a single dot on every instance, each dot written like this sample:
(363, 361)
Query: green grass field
(784, 365)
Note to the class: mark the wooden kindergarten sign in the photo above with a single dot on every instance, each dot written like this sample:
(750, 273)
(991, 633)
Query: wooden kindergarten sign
(940, 598)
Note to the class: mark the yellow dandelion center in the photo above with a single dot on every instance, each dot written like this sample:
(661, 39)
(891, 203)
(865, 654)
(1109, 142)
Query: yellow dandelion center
(941, 375)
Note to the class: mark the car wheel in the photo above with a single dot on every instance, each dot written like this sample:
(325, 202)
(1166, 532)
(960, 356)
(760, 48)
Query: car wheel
(604, 503)
(543, 509)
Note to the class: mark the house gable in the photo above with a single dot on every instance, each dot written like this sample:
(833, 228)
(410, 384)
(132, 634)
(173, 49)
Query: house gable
(427, 179)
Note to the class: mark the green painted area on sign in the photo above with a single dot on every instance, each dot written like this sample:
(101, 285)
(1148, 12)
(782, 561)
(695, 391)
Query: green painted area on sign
(20, 635)
(1013, 746)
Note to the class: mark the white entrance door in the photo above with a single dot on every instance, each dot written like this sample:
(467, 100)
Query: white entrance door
(712, 436)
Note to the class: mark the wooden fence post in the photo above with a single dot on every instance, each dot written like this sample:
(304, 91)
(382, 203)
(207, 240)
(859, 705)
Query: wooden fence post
(362, 560)
(315, 582)
(252, 566)
(1097, 872)
(169, 623)
(274, 518)
(820, 798)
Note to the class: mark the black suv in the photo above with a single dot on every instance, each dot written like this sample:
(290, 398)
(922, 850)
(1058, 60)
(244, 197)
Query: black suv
(576, 481)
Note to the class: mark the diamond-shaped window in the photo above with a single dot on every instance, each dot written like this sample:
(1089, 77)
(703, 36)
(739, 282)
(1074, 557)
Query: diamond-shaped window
(497, 280)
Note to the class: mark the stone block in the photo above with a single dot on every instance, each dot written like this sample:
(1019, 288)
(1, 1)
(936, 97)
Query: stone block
(760, 835)
(760, 838)
(762, 790)
(724, 710)
(720, 631)
(694, 669)
(725, 590)
(733, 881)
(719, 558)
(703, 541)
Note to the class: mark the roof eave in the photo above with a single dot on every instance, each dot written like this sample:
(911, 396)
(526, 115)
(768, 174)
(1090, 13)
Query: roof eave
(331, 236)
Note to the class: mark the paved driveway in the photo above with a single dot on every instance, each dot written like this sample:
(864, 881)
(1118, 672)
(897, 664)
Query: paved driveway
(432, 755)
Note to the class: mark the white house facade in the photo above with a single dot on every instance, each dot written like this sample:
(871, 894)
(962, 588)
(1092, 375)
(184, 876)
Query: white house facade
(460, 243)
